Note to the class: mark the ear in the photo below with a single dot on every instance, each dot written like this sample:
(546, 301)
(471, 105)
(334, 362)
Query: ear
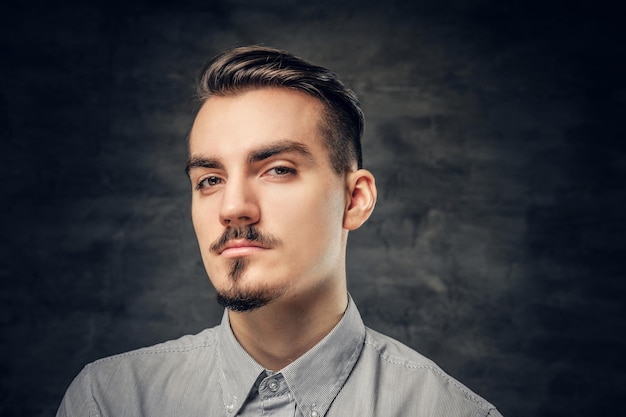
(361, 198)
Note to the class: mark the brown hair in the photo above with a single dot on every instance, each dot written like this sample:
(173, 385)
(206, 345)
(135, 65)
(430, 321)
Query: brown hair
(240, 69)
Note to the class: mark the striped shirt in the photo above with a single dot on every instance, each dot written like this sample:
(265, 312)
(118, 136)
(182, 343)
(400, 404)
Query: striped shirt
(353, 371)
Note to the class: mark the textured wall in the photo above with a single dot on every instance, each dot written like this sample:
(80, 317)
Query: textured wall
(494, 131)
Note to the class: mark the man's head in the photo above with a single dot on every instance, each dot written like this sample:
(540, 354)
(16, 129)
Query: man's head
(275, 181)
(252, 67)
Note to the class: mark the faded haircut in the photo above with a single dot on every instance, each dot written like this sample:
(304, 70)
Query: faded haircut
(251, 67)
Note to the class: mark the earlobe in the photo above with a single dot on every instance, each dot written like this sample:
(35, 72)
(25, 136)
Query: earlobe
(361, 199)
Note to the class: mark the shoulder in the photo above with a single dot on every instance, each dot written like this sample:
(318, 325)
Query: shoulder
(185, 344)
(394, 352)
(402, 373)
(399, 360)
(163, 358)
(116, 384)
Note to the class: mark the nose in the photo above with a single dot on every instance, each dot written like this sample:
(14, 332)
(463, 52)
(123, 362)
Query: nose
(239, 206)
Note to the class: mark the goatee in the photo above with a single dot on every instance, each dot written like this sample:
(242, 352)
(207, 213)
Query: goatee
(241, 300)
(238, 298)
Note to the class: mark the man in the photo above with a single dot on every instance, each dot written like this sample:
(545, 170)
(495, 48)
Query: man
(277, 184)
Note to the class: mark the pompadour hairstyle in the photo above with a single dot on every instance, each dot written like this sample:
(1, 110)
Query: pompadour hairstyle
(250, 67)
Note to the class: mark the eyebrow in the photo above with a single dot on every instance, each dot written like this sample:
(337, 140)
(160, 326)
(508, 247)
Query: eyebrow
(257, 155)
(200, 162)
(280, 147)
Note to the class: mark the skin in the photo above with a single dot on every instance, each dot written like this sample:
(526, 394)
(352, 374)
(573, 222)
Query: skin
(258, 159)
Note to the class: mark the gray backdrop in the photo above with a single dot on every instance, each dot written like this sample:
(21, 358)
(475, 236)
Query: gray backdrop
(494, 131)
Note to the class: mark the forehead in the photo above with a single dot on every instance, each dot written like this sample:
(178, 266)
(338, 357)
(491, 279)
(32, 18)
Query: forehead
(246, 120)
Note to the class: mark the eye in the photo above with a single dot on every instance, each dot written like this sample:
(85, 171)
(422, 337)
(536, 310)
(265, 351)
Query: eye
(209, 182)
(280, 171)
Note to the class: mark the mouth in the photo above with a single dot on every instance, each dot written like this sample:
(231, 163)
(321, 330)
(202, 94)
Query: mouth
(240, 247)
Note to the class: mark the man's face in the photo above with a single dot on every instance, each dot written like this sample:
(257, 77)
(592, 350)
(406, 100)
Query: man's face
(267, 207)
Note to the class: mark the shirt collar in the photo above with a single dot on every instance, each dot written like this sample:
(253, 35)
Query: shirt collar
(314, 379)
(239, 371)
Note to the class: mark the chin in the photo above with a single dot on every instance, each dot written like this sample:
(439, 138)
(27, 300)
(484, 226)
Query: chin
(238, 298)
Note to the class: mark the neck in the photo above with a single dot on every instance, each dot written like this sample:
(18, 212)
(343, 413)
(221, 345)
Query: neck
(279, 333)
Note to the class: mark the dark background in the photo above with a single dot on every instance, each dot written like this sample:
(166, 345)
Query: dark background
(495, 131)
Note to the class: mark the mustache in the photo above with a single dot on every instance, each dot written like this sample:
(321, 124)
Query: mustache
(249, 233)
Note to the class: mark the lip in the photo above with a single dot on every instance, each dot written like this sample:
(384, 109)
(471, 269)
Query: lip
(238, 248)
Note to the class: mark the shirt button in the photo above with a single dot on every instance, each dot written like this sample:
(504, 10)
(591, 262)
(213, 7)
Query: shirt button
(273, 385)
(315, 414)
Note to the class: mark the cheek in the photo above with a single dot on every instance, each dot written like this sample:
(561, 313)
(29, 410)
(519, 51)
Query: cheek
(308, 217)
(204, 224)
(205, 227)
(197, 221)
